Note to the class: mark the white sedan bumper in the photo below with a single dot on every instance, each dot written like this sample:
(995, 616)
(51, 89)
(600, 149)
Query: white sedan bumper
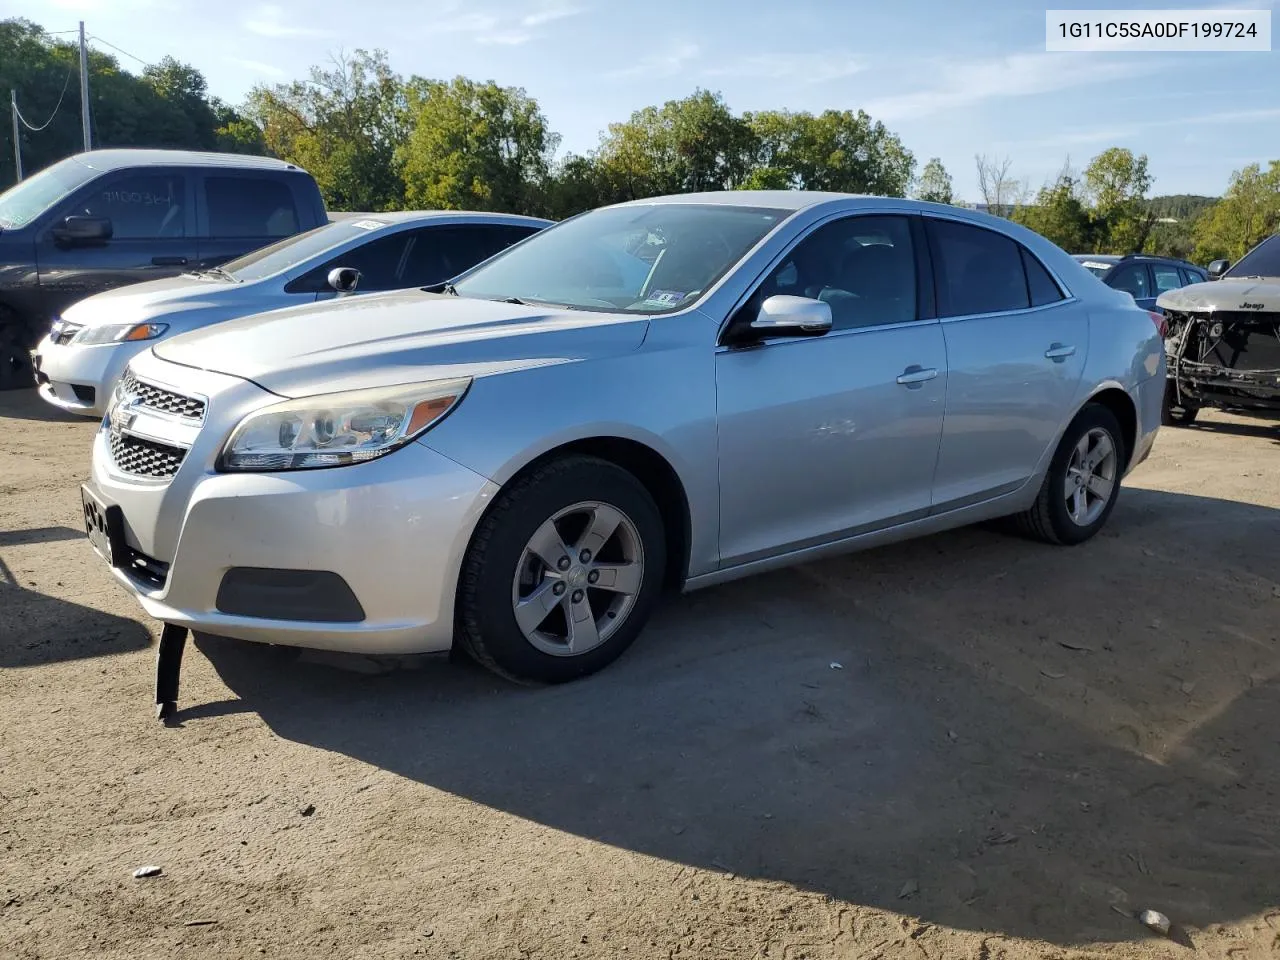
(78, 378)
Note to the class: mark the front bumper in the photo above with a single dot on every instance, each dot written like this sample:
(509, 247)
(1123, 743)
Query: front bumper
(394, 530)
(1208, 383)
(62, 368)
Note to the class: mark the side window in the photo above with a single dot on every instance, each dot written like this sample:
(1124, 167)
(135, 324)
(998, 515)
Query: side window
(250, 207)
(1132, 279)
(140, 206)
(379, 261)
(978, 270)
(440, 253)
(1167, 278)
(1191, 276)
(1040, 285)
(864, 267)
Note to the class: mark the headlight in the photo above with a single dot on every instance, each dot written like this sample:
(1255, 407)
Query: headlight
(336, 429)
(120, 332)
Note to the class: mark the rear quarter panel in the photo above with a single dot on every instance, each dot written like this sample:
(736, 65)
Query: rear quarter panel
(1126, 351)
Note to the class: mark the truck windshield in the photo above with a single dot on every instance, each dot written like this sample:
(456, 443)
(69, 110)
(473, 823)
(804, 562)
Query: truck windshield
(288, 253)
(29, 198)
(1262, 261)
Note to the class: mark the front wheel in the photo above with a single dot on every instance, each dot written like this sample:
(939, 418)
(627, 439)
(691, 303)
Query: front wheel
(15, 353)
(562, 573)
(1082, 483)
(1174, 413)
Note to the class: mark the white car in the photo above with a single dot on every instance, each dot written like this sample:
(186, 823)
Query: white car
(80, 361)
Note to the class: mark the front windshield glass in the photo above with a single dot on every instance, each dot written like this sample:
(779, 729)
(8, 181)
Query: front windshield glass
(1262, 261)
(653, 258)
(29, 198)
(288, 253)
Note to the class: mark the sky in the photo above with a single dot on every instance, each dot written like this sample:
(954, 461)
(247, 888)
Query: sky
(951, 78)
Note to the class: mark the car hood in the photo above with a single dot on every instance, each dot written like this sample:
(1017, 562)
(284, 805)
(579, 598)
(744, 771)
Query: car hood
(154, 298)
(401, 337)
(1235, 295)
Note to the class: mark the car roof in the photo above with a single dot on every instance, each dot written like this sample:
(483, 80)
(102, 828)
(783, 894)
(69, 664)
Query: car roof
(1097, 257)
(774, 199)
(390, 217)
(114, 159)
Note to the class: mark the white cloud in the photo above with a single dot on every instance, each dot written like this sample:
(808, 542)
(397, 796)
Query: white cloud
(959, 84)
(1114, 134)
(668, 63)
(548, 14)
(273, 21)
(257, 66)
(497, 29)
(797, 67)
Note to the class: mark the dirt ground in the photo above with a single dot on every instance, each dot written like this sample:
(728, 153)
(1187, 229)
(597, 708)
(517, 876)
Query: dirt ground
(1020, 746)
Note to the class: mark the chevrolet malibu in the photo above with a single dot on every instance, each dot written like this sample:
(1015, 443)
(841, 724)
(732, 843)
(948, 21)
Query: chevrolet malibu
(671, 392)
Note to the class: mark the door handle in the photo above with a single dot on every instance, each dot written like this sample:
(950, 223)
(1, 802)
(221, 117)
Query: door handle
(915, 376)
(169, 261)
(1058, 352)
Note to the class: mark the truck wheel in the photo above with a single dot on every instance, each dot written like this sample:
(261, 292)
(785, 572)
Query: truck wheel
(15, 352)
(1173, 413)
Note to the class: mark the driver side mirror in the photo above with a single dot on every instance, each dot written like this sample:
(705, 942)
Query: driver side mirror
(75, 230)
(1217, 268)
(787, 316)
(343, 279)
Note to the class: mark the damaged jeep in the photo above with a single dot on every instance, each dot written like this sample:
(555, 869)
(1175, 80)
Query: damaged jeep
(1222, 341)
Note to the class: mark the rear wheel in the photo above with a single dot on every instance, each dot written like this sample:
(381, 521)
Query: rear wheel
(15, 352)
(1082, 483)
(563, 572)
(1175, 413)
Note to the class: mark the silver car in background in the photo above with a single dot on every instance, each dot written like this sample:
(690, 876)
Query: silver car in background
(89, 345)
(671, 392)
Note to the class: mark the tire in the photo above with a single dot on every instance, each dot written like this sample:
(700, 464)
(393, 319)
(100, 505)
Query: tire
(501, 569)
(1173, 413)
(1049, 519)
(15, 353)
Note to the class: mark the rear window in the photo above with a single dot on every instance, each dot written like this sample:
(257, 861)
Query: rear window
(250, 207)
(978, 270)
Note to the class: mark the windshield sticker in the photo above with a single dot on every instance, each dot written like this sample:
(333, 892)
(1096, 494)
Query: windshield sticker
(1094, 265)
(369, 224)
(664, 298)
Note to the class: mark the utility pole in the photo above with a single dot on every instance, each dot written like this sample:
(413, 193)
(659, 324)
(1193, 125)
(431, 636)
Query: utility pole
(17, 142)
(84, 88)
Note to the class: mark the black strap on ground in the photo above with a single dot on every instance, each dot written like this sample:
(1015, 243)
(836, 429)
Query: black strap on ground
(173, 639)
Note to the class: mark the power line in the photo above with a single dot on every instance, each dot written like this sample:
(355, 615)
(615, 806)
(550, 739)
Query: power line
(66, 83)
(118, 49)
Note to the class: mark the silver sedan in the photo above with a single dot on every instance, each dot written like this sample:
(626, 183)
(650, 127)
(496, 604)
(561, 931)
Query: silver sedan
(668, 393)
(89, 346)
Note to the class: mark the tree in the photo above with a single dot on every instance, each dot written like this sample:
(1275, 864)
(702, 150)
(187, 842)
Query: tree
(837, 150)
(1117, 182)
(1058, 213)
(475, 146)
(1000, 192)
(682, 146)
(1246, 215)
(935, 183)
(343, 125)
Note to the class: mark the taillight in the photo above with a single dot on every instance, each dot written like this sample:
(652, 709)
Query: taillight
(1161, 323)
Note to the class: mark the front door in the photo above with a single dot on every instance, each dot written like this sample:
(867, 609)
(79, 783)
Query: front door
(1016, 349)
(152, 236)
(826, 437)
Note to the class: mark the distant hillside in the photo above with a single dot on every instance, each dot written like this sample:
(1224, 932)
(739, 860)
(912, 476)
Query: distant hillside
(1180, 206)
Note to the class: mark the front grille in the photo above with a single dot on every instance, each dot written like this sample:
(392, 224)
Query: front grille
(165, 401)
(67, 332)
(145, 458)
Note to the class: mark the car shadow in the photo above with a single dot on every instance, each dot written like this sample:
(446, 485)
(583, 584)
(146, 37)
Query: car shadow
(1240, 426)
(26, 404)
(1092, 740)
(37, 629)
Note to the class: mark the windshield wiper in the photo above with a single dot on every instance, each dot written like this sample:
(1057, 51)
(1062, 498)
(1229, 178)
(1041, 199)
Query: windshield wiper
(213, 272)
(516, 300)
(445, 287)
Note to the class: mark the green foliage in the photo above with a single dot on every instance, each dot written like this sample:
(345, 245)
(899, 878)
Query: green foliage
(1118, 182)
(167, 106)
(475, 146)
(1059, 213)
(935, 183)
(344, 125)
(837, 150)
(1248, 214)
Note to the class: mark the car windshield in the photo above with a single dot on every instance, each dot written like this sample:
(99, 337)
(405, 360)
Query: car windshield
(651, 258)
(288, 253)
(1262, 261)
(29, 198)
(1097, 267)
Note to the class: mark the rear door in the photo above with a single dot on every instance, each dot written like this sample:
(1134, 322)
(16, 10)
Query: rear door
(153, 235)
(1016, 350)
(1165, 277)
(239, 211)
